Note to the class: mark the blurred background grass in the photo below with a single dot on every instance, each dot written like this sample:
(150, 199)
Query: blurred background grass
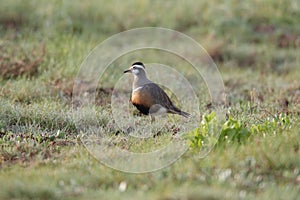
(260, 36)
(42, 44)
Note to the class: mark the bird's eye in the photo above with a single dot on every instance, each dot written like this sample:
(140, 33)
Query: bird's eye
(134, 68)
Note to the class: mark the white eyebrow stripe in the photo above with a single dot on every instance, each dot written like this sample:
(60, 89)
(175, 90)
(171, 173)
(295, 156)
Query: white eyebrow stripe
(139, 66)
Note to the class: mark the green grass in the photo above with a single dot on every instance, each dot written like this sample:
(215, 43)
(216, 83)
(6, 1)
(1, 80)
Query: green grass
(256, 47)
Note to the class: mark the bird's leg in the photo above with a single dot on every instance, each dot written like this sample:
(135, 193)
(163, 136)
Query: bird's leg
(152, 119)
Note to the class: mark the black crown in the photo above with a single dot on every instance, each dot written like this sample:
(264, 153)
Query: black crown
(138, 63)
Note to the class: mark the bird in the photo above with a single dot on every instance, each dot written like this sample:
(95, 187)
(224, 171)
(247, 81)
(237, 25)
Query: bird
(148, 97)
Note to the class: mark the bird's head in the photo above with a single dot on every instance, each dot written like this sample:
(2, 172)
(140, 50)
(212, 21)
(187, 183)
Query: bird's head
(136, 68)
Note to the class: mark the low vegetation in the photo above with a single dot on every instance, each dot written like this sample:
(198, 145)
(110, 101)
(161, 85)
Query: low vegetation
(257, 149)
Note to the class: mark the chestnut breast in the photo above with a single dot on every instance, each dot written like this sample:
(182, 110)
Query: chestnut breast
(142, 97)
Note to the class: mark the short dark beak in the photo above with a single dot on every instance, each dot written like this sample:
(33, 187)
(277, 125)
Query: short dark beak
(126, 71)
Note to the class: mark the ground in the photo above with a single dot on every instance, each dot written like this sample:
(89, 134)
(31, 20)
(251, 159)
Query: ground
(256, 46)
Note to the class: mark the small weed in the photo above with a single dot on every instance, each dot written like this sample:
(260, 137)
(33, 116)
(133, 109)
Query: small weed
(272, 124)
(200, 136)
(231, 131)
(234, 130)
(237, 130)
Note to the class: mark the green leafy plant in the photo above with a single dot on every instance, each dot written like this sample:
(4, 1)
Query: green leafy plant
(198, 137)
(234, 130)
(272, 124)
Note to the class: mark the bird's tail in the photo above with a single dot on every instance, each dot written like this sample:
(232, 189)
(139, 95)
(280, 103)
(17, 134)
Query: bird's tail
(180, 112)
(185, 114)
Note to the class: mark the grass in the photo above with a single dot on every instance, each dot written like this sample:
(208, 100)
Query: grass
(256, 47)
